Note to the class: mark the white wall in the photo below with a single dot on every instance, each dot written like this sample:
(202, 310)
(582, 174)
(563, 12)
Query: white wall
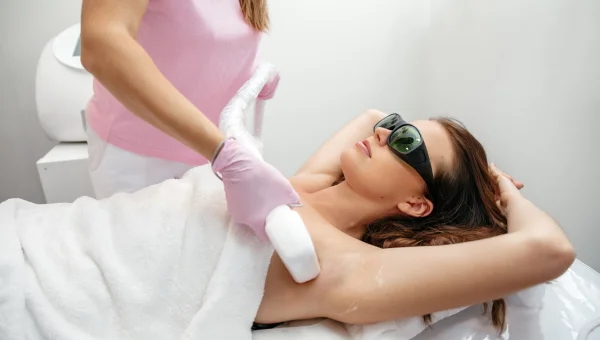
(336, 59)
(25, 27)
(523, 76)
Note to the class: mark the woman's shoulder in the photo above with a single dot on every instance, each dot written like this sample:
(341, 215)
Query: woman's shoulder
(337, 253)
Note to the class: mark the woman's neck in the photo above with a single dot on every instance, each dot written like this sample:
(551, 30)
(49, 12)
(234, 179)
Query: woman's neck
(344, 208)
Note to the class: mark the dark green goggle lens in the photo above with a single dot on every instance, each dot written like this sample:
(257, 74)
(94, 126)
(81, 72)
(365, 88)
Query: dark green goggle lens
(405, 139)
(390, 122)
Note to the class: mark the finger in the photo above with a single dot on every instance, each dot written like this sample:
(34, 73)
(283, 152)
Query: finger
(499, 172)
(495, 172)
(506, 187)
(504, 184)
(516, 183)
(505, 174)
(499, 205)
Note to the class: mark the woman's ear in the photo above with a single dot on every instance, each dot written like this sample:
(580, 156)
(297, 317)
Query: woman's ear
(416, 207)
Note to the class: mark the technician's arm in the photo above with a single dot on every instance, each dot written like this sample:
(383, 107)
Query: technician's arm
(404, 282)
(111, 53)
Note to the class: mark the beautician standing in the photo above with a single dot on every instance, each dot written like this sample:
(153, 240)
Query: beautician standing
(164, 70)
(172, 63)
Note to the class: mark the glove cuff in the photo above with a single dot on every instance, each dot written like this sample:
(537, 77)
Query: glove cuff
(214, 160)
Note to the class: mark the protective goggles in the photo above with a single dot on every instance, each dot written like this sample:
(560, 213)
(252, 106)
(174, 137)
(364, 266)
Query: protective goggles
(406, 142)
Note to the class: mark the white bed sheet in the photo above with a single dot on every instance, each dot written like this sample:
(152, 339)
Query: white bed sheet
(571, 306)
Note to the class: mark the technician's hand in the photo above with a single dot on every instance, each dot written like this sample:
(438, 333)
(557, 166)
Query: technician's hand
(253, 188)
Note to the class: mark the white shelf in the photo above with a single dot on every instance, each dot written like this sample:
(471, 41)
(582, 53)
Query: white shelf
(64, 173)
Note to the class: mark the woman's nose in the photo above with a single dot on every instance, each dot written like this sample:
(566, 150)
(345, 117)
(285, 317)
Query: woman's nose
(381, 135)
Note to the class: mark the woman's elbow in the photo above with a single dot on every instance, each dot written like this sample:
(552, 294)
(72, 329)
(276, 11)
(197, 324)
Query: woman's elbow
(558, 254)
(566, 255)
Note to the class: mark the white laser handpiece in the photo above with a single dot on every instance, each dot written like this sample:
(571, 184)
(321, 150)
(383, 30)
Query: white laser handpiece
(284, 226)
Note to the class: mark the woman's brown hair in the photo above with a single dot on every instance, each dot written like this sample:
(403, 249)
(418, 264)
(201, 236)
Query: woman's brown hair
(256, 14)
(464, 197)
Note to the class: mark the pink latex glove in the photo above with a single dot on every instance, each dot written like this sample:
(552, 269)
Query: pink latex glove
(253, 188)
(269, 89)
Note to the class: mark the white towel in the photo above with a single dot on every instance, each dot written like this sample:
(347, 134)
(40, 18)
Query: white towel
(161, 263)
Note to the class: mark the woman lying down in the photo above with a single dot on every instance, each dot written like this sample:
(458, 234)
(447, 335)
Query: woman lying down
(371, 187)
(389, 205)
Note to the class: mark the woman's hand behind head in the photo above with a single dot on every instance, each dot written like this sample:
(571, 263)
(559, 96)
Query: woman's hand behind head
(517, 184)
(508, 187)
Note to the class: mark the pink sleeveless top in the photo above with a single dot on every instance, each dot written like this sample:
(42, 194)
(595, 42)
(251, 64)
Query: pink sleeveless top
(205, 49)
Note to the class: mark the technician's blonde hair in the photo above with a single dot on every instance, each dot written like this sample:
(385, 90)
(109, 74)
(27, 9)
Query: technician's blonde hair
(256, 14)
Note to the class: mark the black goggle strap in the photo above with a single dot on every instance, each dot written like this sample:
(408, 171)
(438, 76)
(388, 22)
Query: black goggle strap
(426, 173)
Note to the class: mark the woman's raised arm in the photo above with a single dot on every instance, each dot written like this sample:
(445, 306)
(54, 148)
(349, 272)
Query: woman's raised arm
(396, 283)
(322, 169)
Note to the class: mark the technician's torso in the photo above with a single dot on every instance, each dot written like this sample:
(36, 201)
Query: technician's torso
(204, 48)
(285, 300)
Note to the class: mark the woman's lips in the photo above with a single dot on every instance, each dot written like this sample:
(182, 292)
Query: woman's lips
(365, 147)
